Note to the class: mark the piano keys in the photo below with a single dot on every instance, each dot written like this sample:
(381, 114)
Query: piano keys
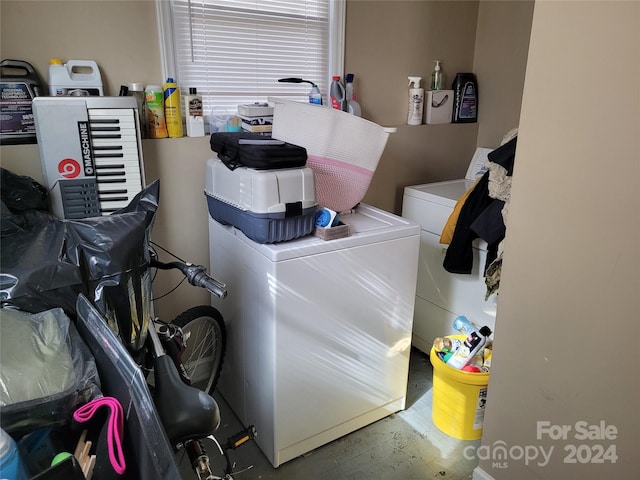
(91, 153)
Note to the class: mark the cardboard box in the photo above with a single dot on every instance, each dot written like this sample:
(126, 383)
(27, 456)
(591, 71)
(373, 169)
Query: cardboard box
(256, 128)
(331, 233)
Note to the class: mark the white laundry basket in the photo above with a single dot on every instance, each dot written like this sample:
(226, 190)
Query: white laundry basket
(343, 150)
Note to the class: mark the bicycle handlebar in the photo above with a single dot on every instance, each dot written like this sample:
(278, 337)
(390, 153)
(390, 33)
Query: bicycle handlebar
(196, 276)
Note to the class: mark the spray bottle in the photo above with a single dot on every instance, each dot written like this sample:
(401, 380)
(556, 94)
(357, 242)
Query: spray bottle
(416, 101)
(353, 107)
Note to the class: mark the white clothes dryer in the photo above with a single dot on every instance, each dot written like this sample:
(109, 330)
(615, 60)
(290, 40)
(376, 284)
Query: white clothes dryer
(442, 296)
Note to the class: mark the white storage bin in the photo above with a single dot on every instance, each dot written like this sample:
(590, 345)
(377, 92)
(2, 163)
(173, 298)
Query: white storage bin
(266, 205)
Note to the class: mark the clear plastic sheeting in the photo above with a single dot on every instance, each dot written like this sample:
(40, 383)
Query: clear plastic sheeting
(46, 262)
(46, 371)
(320, 334)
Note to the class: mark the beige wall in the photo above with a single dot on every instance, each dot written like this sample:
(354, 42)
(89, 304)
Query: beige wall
(390, 40)
(566, 347)
(385, 42)
(569, 302)
(502, 42)
(36, 31)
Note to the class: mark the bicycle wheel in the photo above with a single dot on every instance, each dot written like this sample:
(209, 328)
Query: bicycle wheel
(206, 335)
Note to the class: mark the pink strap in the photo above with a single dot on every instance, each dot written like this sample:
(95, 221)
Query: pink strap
(114, 428)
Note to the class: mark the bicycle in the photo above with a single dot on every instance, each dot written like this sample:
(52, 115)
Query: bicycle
(107, 261)
(180, 360)
(198, 366)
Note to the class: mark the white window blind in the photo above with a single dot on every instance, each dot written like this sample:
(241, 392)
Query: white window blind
(234, 51)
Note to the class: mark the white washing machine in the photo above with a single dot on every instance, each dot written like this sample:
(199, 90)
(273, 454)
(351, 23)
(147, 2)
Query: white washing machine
(319, 332)
(442, 296)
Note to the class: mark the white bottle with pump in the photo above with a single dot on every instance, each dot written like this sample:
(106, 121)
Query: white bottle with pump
(437, 78)
(416, 101)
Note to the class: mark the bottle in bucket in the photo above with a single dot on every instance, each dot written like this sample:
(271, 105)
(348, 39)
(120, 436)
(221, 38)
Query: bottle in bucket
(486, 358)
(471, 346)
(464, 326)
(446, 344)
(156, 123)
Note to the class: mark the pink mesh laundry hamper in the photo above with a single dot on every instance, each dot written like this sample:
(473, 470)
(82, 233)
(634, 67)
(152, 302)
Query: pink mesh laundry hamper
(343, 150)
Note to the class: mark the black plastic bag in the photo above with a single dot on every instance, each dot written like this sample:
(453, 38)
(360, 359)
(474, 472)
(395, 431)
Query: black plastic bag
(50, 261)
(20, 193)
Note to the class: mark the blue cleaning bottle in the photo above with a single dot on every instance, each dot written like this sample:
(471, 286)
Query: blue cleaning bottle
(464, 326)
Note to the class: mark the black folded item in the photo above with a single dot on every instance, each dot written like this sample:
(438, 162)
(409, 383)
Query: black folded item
(245, 149)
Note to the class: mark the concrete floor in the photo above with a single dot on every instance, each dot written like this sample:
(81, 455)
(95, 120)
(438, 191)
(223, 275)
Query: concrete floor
(406, 445)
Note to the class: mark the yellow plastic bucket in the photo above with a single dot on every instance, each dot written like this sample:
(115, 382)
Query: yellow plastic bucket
(459, 399)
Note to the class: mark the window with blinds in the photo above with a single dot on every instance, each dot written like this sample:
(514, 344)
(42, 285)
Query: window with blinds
(235, 51)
